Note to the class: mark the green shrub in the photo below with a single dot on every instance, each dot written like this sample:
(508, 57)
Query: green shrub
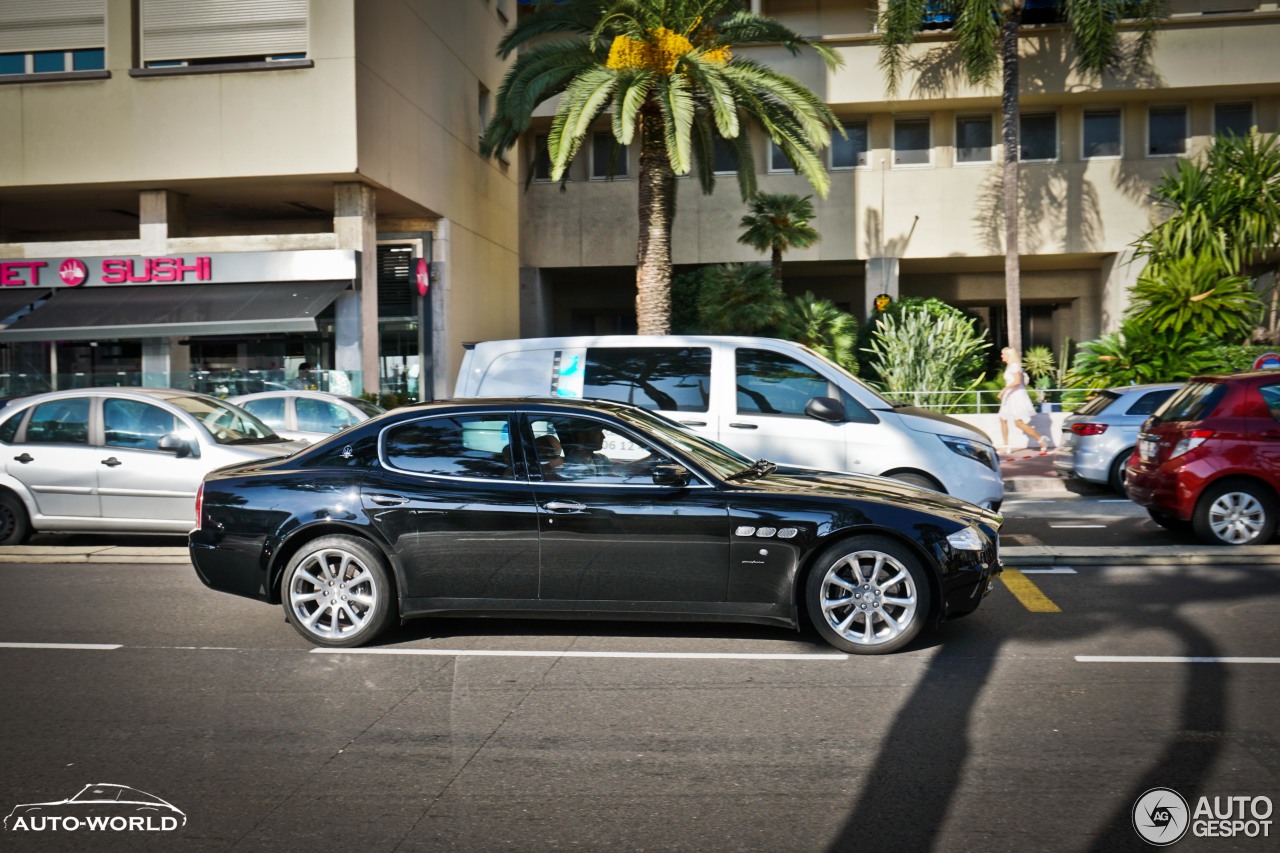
(738, 299)
(821, 326)
(967, 371)
(918, 349)
(1137, 354)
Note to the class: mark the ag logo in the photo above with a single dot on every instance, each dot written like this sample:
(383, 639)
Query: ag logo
(1161, 816)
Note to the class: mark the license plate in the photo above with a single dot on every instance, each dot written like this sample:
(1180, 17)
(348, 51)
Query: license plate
(1147, 449)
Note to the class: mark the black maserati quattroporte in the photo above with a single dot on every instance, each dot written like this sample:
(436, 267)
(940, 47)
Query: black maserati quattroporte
(581, 510)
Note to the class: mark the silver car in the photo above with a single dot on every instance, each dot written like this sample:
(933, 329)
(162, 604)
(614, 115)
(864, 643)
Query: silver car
(306, 415)
(1099, 437)
(118, 459)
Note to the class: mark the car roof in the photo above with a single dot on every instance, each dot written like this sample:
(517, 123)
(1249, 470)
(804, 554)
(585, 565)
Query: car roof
(290, 392)
(113, 390)
(629, 340)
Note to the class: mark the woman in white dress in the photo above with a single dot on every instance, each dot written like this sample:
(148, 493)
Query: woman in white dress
(1015, 402)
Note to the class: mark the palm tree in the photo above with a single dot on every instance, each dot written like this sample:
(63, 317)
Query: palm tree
(667, 71)
(822, 327)
(777, 222)
(986, 39)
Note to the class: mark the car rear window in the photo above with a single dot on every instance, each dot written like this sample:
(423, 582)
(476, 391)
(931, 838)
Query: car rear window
(1097, 403)
(1150, 401)
(1193, 402)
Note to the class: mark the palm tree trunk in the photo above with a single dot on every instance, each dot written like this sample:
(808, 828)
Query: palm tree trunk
(1009, 133)
(657, 212)
(776, 259)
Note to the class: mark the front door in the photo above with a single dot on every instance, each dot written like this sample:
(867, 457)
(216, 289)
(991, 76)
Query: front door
(135, 478)
(54, 460)
(610, 537)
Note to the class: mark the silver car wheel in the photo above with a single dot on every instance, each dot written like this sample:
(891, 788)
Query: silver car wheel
(332, 594)
(1237, 517)
(868, 598)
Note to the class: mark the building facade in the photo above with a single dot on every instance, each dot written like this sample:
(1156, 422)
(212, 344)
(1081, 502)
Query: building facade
(916, 193)
(209, 193)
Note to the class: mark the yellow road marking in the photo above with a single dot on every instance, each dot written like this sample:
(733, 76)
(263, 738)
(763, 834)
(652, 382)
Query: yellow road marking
(1028, 593)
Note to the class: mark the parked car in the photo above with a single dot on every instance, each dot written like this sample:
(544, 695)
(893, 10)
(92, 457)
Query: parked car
(1100, 436)
(306, 415)
(118, 459)
(761, 396)
(1209, 459)
(523, 507)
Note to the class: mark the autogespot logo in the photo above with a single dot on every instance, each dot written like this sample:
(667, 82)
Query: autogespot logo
(98, 808)
(1160, 816)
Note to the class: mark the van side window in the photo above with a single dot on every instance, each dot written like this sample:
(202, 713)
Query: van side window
(669, 379)
(770, 383)
(518, 374)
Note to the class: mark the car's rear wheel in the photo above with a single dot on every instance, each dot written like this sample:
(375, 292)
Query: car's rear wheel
(337, 592)
(15, 526)
(1120, 470)
(868, 595)
(1235, 513)
(1169, 522)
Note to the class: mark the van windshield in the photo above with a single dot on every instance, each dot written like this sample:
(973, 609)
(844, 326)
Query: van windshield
(1194, 402)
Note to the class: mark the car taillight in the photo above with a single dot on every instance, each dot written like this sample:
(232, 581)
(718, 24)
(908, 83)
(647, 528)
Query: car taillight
(1088, 429)
(1194, 439)
(199, 505)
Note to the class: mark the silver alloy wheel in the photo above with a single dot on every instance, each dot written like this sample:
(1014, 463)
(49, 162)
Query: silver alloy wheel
(868, 597)
(332, 594)
(1237, 517)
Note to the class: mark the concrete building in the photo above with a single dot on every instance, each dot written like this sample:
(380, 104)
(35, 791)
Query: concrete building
(915, 202)
(212, 192)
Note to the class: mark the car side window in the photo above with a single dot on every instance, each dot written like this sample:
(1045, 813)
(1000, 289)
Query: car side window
(1149, 402)
(1271, 396)
(458, 446)
(269, 410)
(670, 379)
(132, 423)
(321, 415)
(60, 422)
(770, 383)
(582, 450)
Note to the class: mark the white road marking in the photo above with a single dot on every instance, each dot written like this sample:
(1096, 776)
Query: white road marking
(1078, 526)
(1056, 570)
(1167, 659)
(93, 647)
(568, 654)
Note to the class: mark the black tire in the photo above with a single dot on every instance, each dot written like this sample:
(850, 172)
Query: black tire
(859, 626)
(1235, 513)
(1120, 470)
(1169, 522)
(924, 481)
(355, 575)
(15, 526)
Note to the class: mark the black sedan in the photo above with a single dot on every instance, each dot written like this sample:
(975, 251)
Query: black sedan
(581, 510)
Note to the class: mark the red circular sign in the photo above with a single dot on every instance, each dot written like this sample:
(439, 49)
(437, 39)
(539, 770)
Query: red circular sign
(423, 277)
(73, 272)
(1267, 361)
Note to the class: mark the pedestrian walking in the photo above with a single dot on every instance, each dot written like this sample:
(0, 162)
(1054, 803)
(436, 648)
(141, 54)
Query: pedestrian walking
(1015, 402)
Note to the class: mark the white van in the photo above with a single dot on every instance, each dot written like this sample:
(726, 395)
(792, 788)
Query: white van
(765, 398)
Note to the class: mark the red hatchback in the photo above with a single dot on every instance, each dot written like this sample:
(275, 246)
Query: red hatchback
(1209, 459)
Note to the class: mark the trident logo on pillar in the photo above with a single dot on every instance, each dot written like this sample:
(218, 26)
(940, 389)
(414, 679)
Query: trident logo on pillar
(423, 276)
(73, 272)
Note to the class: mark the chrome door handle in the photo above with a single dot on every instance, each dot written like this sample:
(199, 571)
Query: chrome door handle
(111, 462)
(388, 500)
(694, 423)
(563, 506)
(24, 458)
(745, 426)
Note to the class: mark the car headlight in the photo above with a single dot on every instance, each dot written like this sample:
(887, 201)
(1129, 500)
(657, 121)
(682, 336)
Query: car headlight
(984, 454)
(965, 539)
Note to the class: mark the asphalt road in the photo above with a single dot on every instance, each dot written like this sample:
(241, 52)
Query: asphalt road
(994, 733)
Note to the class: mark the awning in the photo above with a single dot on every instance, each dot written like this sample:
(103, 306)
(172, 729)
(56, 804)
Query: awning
(171, 310)
(13, 300)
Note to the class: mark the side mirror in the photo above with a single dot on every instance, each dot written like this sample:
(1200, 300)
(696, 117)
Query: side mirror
(175, 444)
(827, 409)
(670, 474)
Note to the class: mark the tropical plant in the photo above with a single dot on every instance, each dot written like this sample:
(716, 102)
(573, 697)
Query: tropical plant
(1039, 362)
(986, 40)
(738, 299)
(823, 328)
(778, 222)
(919, 351)
(670, 73)
(970, 367)
(1138, 354)
(1194, 295)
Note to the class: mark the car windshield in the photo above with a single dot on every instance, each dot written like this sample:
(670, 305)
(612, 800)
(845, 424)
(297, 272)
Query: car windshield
(227, 424)
(364, 405)
(720, 460)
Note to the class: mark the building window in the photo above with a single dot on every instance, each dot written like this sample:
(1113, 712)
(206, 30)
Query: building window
(912, 145)
(850, 152)
(724, 159)
(973, 139)
(1038, 137)
(1102, 130)
(608, 158)
(541, 164)
(1166, 131)
(778, 161)
(204, 32)
(52, 38)
(1234, 118)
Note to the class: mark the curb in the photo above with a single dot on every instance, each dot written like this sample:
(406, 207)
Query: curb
(1160, 555)
(105, 554)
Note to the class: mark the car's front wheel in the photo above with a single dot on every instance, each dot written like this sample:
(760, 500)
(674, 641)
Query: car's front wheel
(337, 592)
(868, 595)
(1235, 513)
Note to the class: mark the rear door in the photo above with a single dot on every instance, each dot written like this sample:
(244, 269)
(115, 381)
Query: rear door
(52, 457)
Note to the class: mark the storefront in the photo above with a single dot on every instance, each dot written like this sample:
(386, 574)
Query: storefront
(224, 323)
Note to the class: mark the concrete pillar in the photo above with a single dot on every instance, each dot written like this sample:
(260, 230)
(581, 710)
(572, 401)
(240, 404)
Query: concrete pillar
(1119, 273)
(155, 363)
(441, 305)
(882, 277)
(355, 226)
(160, 216)
(535, 303)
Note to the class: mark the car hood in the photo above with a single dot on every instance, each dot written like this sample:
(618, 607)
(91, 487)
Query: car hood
(927, 420)
(791, 479)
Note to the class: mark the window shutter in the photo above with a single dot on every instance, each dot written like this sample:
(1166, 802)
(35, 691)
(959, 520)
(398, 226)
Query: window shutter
(205, 29)
(28, 26)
